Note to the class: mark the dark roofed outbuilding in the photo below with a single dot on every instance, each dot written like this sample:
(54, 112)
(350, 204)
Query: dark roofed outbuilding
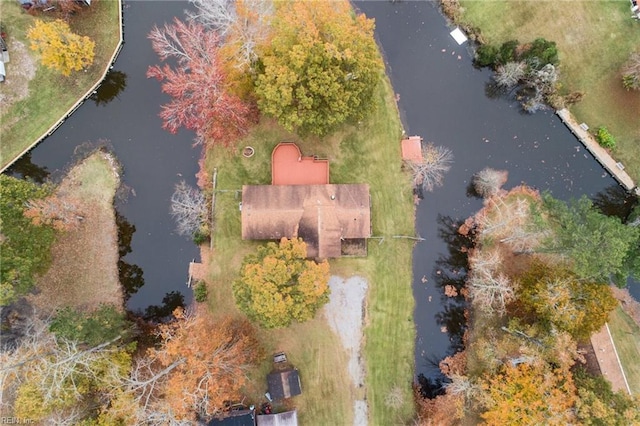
(234, 418)
(284, 384)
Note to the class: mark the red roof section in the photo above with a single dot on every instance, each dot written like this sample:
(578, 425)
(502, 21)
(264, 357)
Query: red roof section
(412, 149)
(289, 167)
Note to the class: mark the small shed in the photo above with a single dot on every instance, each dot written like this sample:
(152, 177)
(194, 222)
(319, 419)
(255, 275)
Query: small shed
(284, 384)
(234, 418)
(288, 418)
(412, 149)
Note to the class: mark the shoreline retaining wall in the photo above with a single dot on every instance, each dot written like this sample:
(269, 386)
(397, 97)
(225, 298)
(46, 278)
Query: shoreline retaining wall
(616, 169)
(80, 101)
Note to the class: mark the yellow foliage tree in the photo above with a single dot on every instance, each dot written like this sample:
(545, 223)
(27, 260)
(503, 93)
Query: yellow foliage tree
(59, 47)
(557, 298)
(319, 68)
(529, 394)
(278, 285)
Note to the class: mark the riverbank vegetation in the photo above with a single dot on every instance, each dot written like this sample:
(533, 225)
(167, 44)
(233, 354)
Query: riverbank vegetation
(63, 336)
(72, 356)
(30, 106)
(533, 298)
(86, 246)
(25, 245)
(594, 41)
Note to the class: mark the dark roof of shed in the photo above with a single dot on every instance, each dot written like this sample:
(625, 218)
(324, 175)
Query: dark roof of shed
(284, 384)
(234, 418)
(319, 214)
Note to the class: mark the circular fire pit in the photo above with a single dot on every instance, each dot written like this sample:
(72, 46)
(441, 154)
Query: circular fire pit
(248, 151)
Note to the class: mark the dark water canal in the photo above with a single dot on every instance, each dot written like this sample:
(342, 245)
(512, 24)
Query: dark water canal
(153, 160)
(442, 98)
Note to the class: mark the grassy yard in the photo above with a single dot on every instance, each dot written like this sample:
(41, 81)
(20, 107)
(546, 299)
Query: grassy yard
(366, 153)
(51, 94)
(84, 272)
(594, 39)
(626, 336)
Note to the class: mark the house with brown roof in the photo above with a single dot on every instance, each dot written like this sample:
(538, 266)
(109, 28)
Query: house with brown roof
(328, 217)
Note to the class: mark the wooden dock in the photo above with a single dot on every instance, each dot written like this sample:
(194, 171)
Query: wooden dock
(616, 169)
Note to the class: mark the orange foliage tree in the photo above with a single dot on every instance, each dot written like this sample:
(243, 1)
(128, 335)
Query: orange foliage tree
(206, 361)
(278, 285)
(62, 211)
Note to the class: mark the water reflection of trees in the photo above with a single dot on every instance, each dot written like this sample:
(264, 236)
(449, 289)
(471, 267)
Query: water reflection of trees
(113, 83)
(159, 313)
(430, 387)
(131, 275)
(24, 168)
(615, 201)
(450, 276)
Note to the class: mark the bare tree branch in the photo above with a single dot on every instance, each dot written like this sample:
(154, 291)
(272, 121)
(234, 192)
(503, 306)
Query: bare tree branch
(218, 15)
(429, 173)
(510, 74)
(188, 208)
(243, 23)
(488, 181)
(489, 289)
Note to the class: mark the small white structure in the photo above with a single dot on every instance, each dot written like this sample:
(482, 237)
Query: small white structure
(458, 36)
(288, 418)
(5, 50)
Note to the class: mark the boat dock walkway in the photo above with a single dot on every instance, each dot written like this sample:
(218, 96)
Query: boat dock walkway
(581, 132)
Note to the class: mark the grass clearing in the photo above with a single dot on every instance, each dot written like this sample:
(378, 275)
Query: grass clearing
(366, 153)
(51, 94)
(84, 271)
(594, 40)
(626, 336)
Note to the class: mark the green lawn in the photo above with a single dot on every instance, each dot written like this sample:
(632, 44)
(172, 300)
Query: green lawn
(51, 94)
(594, 39)
(626, 336)
(368, 153)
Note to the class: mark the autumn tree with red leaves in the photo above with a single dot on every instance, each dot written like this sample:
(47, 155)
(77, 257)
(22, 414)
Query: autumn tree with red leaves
(197, 85)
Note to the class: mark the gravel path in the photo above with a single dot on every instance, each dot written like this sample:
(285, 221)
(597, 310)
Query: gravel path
(20, 70)
(345, 315)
